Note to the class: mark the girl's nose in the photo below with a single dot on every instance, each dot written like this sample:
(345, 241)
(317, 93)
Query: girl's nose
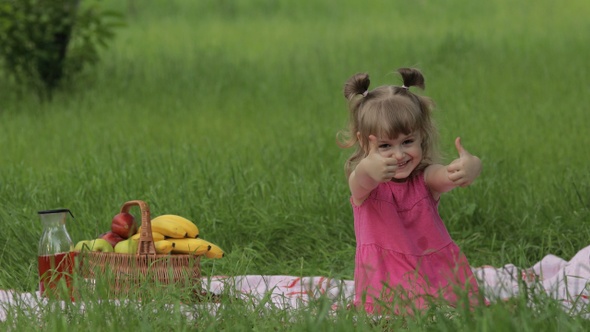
(398, 153)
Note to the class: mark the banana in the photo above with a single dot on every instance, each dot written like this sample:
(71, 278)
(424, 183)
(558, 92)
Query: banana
(167, 228)
(189, 227)
(163, 246)
(155, 235)
(190, 246)
(215, 252)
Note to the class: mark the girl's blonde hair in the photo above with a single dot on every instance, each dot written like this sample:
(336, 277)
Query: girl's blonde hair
(387, 111)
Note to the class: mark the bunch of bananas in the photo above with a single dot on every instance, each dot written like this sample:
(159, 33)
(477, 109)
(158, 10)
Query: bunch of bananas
(174, 234)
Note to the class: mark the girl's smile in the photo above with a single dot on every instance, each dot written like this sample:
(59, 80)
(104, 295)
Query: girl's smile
(402, 164)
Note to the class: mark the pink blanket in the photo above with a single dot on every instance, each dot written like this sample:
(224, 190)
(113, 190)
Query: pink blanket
(566, 281)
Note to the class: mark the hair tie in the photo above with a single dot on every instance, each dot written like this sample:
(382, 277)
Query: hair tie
(365, 93)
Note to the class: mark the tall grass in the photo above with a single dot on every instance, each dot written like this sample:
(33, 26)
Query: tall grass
(226, 112)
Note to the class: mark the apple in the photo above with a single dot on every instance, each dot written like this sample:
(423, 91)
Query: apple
(111, 237)
(124, 225)
(128, 246)
(100, 245)
(83, 245)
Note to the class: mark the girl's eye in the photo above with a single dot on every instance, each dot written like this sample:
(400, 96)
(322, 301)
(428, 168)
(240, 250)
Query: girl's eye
(408, 141)
(384, 146)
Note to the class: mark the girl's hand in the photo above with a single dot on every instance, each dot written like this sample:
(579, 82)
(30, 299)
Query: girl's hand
(464, 170)
(380, 168)
(372, 170)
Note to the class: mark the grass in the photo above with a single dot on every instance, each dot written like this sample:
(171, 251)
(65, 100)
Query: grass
(226, 113)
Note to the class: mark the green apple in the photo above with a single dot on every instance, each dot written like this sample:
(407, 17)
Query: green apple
(100, 245)
(121, 247)
(83, 245)
(128, 246)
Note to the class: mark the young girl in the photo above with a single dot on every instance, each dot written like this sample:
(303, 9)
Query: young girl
(403, 252)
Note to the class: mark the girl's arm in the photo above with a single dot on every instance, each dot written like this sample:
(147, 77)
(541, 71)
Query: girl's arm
(361, 185)
(459, 173)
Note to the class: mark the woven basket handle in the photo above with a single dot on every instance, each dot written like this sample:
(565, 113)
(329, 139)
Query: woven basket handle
(146, 240)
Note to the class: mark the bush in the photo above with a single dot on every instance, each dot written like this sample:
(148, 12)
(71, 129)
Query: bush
(44, 43)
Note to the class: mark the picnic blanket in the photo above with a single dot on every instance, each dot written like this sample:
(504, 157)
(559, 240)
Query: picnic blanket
(566, 281)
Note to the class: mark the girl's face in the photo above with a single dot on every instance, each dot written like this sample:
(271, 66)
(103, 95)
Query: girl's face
(406, 149)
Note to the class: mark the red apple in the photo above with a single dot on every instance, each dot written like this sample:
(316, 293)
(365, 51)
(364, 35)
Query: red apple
(111, 237)
(123, 224)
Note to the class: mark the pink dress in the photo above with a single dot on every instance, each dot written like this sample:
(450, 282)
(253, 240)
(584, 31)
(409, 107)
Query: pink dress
(404, 251)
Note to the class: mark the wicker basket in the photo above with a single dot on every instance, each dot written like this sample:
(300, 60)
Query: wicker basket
(129, 274)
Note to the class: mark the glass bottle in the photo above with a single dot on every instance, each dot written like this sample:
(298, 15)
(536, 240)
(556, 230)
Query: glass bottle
(55, 254)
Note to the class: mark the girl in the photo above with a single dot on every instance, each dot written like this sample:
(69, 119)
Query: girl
(403, 252)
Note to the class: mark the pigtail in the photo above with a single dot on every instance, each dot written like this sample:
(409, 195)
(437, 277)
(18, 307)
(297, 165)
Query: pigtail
(411, 77)
(356, 85)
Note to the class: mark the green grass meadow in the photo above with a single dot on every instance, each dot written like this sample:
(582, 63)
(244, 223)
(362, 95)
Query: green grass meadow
(226, 112)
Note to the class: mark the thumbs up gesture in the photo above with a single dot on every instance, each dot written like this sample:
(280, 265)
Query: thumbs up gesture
(379, 167)
(465, 169)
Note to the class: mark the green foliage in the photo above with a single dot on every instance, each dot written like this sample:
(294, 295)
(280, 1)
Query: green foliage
(44, 43)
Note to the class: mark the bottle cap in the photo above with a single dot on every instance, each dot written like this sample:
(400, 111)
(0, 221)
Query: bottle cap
(56, 211)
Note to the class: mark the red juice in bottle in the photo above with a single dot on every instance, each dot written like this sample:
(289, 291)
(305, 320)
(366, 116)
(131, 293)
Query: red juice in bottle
(53, 270)
(55, 255)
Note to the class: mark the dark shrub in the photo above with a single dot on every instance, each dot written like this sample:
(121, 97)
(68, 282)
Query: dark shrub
(43, 43)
